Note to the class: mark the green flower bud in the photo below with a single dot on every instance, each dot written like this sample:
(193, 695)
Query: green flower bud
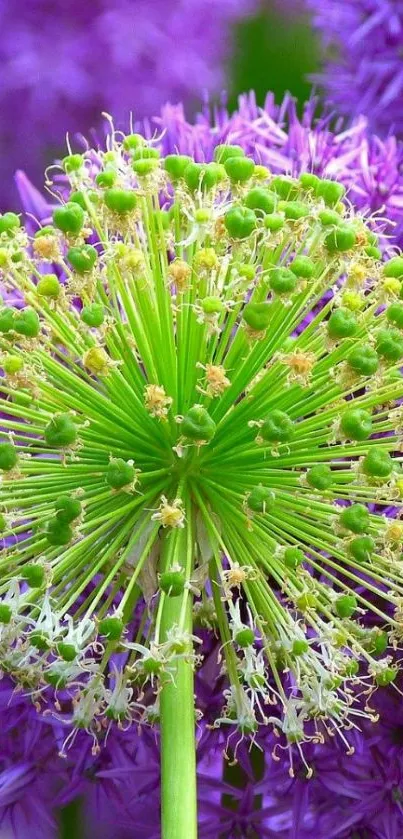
(48, 230)
(143, 168)
(376, 641)
(49, 286)
(373, 252)
(343, 238)
(198, 425)
(356, 424)
(67, 651)
(393, 268)
(341, 324)
(345, 605)
(68, 509)
(34, 575)
(239, 169)
(260, 199)
(5, 613)
(224, 152)
(394, 314)
(320, 477)
(93, 314)
(13, 364)
(72, 163)
(361, 548)
(257, 315)
(144, 152)
(282, 281)
(273, 222)
(6, 319)
(351, 668)
(244, 637)
(309, 181)
(9, 223)
(133, 141)
(111, 628)
(120, 474)
(69, 218)
(389, 344)
(277, 427)
(120, 201)
(212, 305)
(299, 647)
(363, 360)
(82, 258)
(286, 188)
(176, 164)
(201, 176)
(377, 463)
(27, 323)
(79, 198)
(40, 640)
(329, 218)
(386, 677)
(106, 179)
(172, 582)
(355, 518)
(60, 432)
(240, 222)
(293, 557)
(58, 533)
(331, 192)
(294, 210)
(302, 266)
(261, 499)
(8, 457)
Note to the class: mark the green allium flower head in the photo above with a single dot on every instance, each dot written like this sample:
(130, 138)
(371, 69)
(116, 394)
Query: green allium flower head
(202, 423)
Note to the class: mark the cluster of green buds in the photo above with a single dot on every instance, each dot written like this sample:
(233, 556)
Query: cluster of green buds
(202, 426)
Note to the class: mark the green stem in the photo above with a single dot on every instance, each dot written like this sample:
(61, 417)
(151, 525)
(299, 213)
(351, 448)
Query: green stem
(178, 746)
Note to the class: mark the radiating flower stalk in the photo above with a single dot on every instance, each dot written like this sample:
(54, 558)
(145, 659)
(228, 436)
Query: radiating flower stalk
(202, 427)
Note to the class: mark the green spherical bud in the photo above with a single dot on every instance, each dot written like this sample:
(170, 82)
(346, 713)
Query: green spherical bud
(27, 323)
(34, 575)
(120, 474)
(212, 305)
(67, 651)
(351, 668)
(261, 499)
(5, 613)
(393, 268)
(309, 181)
(143, 168)
(120, 201)
(302, 266)
(48, 230)
(172, 582)
(274, 222)
(356, 424)
(198, 425)
(106, 179)
(9, 223)
(69, 218)
(389, 345)
(239, 169)
(299, 647)
(294, 210)
(79, 198)
(293, 557)
(355, 518)
(331, 192)
(93, 314)
(224, 152)
(361, 548)
(60, 432)
(82, 258)
(13, 364)
(286, 188)
(6, 319)
(345, 605)
(68, 509)
(151, 666)
(261, 200)
(341, 324)
(133, 141)
(201, 176)
(363, 360)
(394, 314)
(240, 222)
(342, 239)
(8, 457)
(111, 628)
(72, 163)
(386, 677)
(144, 152)
(320, 477)
(58, 533)
(282, 281)
(376, 641)
(329, 218)
(40, 640)
(377, 463)
(49, 286)
(176, 164)
(277, 427)
(257, 315)
(244, 637)
(373, 252)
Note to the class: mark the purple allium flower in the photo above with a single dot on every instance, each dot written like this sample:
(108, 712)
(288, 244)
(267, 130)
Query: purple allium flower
(62, 65)
(363, 74)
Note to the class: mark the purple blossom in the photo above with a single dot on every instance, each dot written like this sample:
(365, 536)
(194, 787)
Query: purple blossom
(62, 66)
(363, 72)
